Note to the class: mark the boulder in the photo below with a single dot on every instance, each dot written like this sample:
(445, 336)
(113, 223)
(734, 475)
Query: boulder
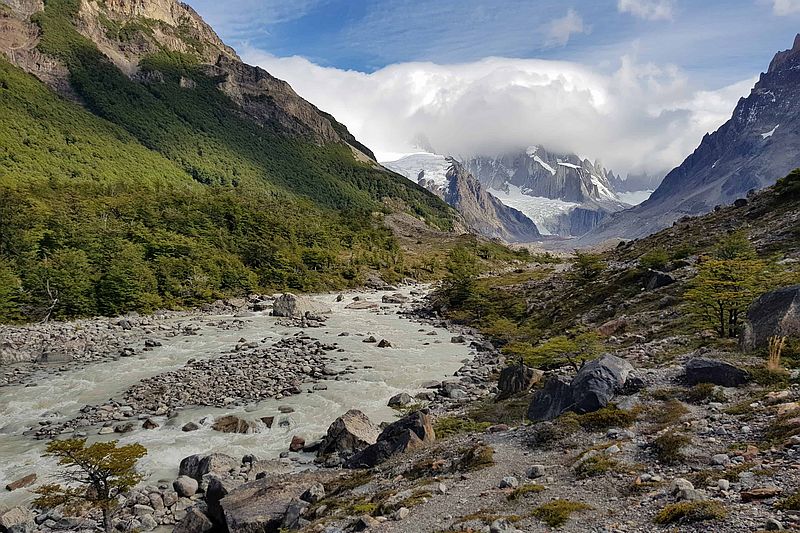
(190, 426)
(55, 358)
(150, 424)
(658, 279)
(776, 313)
(232, 424)
(195, 521)
(291, 305)
(400, 400)
(297, 444)
(196, 466)
(396, 298)
(361, 305)
(219, 488)
(314, 493)
(350, 433)
(384, 344)
(262, 505)
(16, 519)
(22, 482)
(408, 433)
(701, 370)
(516, 379)
(613, 327)
(185, 486)
(552, 400)
(597, 381)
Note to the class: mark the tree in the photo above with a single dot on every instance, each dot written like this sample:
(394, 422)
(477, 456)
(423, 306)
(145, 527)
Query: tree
(728, 283)
(587, 266)
(462, 267)
(95, 475)
(10, 294)
(128, 282)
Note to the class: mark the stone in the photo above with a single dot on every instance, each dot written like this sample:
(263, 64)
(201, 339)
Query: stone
(185, 486)
(219, 488)
(149, 424)
(517, 379)
(384, 344)
(401, 514)
(297, 444)
(196, 466)
(776, 313)
(680, 484)
(148, 523)
(702, 370)
(501, 525)
(232, 424)
(15, 519)
(195, 521)
(105, 430)
(314, 493)
(348, 434)
(22, 482)
(123, 428)
(396, 298)
(370, 340)
(365, 522)
(142, 510)
(760, 493)
(773, 525)
(190, 426)
(536, 471)
(549, 402)
(509, 482)
(294, 512)
(290, 305)
(658, 279)
(597, 381)
(723, 485)
(458, 339)
(400, 400)
(613, 327)
(721, 459)
(410, 432)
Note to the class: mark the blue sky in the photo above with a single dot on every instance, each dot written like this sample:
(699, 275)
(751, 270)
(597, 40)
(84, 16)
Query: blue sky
(721, 40)
(634, 83)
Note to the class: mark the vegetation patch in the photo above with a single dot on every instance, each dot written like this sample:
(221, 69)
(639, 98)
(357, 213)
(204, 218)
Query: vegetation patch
(689, 512)
(667, 413)
(449, 426)
(791, 503)
(557, 512)
(525, 490)
(476, 458)
(594, 466)
(669, 447)
(510, 411)
(606, 418)
(704, 392)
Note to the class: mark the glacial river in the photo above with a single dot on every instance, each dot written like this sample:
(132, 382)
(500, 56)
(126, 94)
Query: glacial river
(415, 357)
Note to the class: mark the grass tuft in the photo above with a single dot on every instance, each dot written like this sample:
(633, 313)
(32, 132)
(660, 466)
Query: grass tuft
(557, 512)
(689, 512)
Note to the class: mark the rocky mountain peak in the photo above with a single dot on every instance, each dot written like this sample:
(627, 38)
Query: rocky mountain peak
(782, 57)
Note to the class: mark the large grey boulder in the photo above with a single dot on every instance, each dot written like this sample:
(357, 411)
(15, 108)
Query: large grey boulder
(196, 466)
(219, 488)
(233, 424)
(16, 519)
(774, 313)
(516, 379)
(701, 370)
(348, 434)
(592, 388)
(195, 521)
(291, 305)
(408, 433)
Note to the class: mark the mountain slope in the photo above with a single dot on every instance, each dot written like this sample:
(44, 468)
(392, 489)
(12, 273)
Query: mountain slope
(757, 146)
(482, 212)
(172, 166)
(563, 194)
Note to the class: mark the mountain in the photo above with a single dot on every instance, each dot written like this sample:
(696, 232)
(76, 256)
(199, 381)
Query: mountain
(756, 147)
(482, 212)
(635, 182)
(143, 164)
(563, 194)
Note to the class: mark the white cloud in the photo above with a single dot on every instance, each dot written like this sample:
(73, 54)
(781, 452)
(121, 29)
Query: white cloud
(561, 29)
(249, 17)
(785, 7)
(649, 9)
(641, 117)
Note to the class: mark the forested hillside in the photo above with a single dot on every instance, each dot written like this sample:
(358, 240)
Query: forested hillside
(160, 191)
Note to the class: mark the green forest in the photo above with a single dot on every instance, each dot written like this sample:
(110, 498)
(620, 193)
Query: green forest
(149, 197)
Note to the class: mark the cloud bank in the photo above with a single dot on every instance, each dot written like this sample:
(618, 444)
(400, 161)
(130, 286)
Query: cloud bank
(785, 7)
(639, 118)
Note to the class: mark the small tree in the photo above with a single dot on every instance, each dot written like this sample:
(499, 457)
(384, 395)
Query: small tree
(587, 266)
(462, 267)
(95, 476)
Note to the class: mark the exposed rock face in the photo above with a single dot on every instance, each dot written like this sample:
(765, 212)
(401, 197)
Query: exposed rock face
(291, 305)
(517, 378)
(232, 424)
(700, 370)
(776, 313)
(348, 434)
(196, 466)
(408, 433)
(482, 212)
(592, 388)
(757, 146)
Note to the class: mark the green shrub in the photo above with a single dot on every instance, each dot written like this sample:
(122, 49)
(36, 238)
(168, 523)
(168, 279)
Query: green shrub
(704, 392)
(791, 503)
(448, 426)
(557, 512)
(525, 490)
(594, 466)
(608, 417)
(669, 447)
(654, 260)
(689, 512)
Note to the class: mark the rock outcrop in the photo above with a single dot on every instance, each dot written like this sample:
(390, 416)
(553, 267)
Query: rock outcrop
(291, 305)
(701, 370)
(408, 433)
(350, 433)
(776, 313)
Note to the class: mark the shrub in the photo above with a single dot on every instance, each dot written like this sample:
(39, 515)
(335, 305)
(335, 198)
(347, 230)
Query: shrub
(586, 267)
(668, 412)
(654, 260)
(791, 503)
(594, 466)
(449, 426)
(703, 392)
(608, 417)
(476, 458)
(524, 490)
(557, 512)
(669, 447)
(688, 512)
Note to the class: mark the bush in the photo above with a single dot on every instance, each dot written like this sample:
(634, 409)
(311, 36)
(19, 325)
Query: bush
(594, 466)
(669, 447)
(448, 426)
(524, 490)
(654, 260)
(791, 503)
(557, 512)
(689, 512)
(607, 417)
(586, 267)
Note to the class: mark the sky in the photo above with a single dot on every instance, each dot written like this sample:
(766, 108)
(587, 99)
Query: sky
(633, 83)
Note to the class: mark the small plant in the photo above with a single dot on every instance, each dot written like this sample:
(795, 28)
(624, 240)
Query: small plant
(668, 413)
(587, 267)
(557, 512)
(524, 490)
(704, 392)
(689, 512)
(654, 260)
(608, 417)
(669, 447)
(792, 503)
(594, 466)
(477, 457)
(776, 345)
(448, 426)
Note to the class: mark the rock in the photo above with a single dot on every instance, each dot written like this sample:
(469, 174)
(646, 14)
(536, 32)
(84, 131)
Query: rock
(658, 280)
(262, 505)
(105, 430)
(123, 428)
(22, 482)
(185, 486)
(552, 400)
(701, 370)
(196, 466)
(396, 298)
(361, 305)
(458, 339)
(290, 305)
(314, 493)
(776, 313)
(348, 434)
(400, 400)
(410, 432)
(401, 514)
(195, 521)
(149, 424)
(741, 202)
(219, 488)
(760, 493)
(680, 484)
(384, 344)
(773, 525)
(536, 471)
(365, 522)
(232, 424)
(16, 519)
(509, 482)
(613, 327)
(125, 324)
(297, 444)
(190, 426)
(597, 381)
(517, 379)
(723, 485)
(291, 520)
(54, 358)
(501, 525)
(721, 459)
(142, 510)
(370, 340)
